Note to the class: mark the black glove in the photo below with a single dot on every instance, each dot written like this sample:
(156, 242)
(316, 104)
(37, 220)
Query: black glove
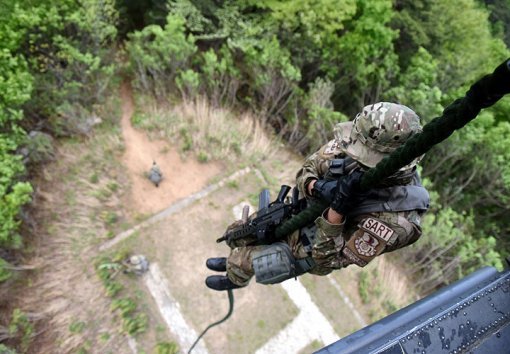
(347, 188)
(324, 190)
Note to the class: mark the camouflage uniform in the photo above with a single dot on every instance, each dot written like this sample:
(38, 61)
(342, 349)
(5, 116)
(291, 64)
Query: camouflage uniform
(338, 245)
(155, 175)
(137, 264)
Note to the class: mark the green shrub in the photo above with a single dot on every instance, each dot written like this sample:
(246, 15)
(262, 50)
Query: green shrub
(94, 178)
(106, 270)
(202, 157)
(5, 272)
(21, 328)
(77, 327)
(125, 306)
(10, 206)
(109, 217)
(135, 324)
(450, 250)
(187, 140)
(132, 323)
(6, 350)
(188, 82)
(15, 89)
(158, 55)
(220, 78)
(51, 53)
(166, 348)
(364, 286)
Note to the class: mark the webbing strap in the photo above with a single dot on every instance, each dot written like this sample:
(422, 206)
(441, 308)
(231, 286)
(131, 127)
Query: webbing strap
(303, 265)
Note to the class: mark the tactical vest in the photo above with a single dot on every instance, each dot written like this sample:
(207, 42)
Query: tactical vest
(388, 199)
(392, 199)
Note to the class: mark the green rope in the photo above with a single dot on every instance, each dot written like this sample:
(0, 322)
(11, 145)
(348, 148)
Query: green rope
(484, 93)
(300, 220)
(230, 310)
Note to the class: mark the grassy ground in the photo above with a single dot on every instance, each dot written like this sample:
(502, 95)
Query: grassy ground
(180, 245)
(79, 205)
(331, 304)
(174, 243)
(210, 133)
(377, 290)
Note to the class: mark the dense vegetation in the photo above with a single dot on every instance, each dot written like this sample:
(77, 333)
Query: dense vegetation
(300, 66)
(55, 63)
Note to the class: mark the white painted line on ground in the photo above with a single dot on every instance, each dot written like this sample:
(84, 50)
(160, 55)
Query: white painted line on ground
(347, 301)
(170, 310)
(174, 208)
(310, 324)
(132, 344)
(291, 339)
(298, 294)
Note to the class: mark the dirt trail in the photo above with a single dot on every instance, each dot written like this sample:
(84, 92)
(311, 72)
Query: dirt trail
(180, 177)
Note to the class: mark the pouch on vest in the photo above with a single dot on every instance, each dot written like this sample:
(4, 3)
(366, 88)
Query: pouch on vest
(275, 263)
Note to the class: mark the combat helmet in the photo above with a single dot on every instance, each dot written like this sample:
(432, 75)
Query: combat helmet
(378, 130)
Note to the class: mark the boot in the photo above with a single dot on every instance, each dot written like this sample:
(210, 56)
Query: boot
(218, 264)
(220, 282)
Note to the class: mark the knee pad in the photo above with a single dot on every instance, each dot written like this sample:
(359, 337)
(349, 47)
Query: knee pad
(273, 264)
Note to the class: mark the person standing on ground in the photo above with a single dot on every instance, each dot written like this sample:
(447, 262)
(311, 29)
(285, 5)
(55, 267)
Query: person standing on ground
(155, 175)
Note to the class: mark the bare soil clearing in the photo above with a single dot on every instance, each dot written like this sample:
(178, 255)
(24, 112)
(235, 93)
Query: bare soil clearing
(180, 177)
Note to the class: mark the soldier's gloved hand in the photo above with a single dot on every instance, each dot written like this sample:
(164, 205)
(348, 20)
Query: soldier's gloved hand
(347, 188)
(324, 190)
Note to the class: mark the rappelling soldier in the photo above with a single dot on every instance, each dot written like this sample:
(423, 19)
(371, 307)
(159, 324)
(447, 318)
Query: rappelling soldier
(358, 225)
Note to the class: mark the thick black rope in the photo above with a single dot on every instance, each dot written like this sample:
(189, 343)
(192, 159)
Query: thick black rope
(230, 310)
(484, 93)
